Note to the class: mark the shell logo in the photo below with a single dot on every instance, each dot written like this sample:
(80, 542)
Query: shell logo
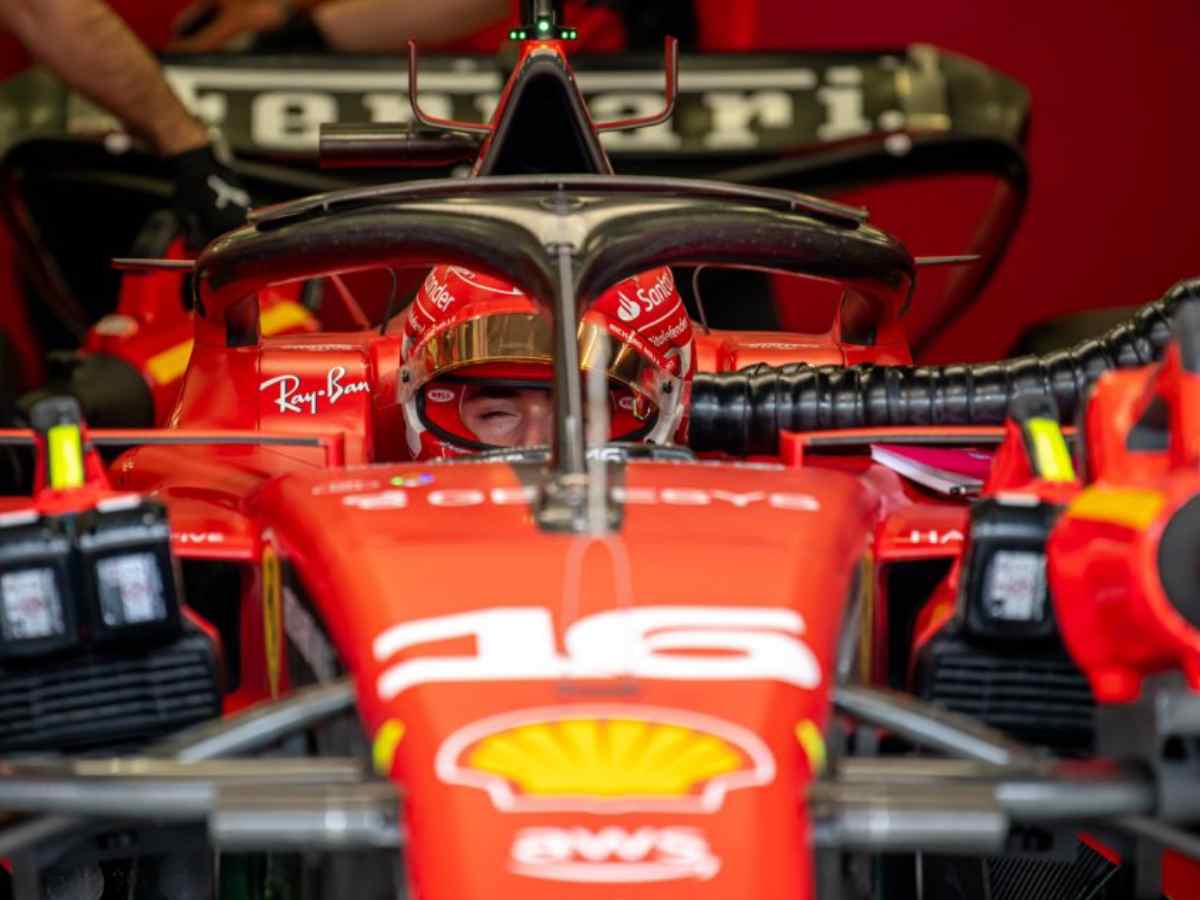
(605, 759)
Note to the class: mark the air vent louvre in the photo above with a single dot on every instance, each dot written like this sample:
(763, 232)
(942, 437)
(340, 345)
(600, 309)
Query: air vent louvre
(109, 700)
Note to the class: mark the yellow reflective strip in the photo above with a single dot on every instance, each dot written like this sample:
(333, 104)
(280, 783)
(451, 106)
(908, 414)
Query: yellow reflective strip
(272, 606)
(169, 365)
(1121, 506)
(866, 619)
(165, 367)
(387, 742)
(1051, 456)
(809, 736)
(66, 456)
(283, 316)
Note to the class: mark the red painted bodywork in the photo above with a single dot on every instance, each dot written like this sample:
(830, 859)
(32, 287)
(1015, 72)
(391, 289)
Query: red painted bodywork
(151, 328)
(1107, 545)
(464, 542)
(377, 546)
(450, 608)
(458, 559)
(380, 549)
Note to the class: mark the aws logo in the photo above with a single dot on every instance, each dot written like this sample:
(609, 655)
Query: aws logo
(613, 855)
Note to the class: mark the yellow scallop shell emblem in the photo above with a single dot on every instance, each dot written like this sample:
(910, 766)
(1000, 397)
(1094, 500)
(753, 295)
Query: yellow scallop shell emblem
(605, 758)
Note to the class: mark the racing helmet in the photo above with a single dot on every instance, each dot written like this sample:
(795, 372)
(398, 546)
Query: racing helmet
(465, 330)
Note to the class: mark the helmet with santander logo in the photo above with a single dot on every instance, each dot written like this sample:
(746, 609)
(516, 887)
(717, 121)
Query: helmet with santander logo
(476, 363)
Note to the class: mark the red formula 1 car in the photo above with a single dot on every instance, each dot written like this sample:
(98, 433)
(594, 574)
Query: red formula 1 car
(716, 638)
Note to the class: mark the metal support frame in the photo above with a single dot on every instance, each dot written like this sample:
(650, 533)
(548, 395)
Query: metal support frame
(1062, 793)
(1032, 787)
(1167, 712)
(1160, 731)
(162, 790)
(932, 727)
(878, 819)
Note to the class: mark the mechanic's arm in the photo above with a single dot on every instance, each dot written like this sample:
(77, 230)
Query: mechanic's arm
(90, 48)
(386, 25)
(348, 26)
(88, 45)
(364, 26)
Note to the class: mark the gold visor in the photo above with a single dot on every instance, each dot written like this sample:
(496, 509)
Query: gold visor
(525, 338)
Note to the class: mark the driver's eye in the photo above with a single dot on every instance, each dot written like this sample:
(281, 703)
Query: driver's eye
(497, 413)
(506, 416)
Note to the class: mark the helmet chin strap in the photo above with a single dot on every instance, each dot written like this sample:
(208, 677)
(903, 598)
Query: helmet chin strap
(413, 427)
(669, 417)
(671, 411)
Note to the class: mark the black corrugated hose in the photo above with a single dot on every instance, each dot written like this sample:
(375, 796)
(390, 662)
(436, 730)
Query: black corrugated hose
(743, 412)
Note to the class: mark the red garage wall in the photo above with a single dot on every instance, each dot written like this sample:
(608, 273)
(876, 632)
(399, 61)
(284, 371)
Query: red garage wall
(1114, 213)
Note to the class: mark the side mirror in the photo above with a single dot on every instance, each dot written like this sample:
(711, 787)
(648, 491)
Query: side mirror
(395, 146)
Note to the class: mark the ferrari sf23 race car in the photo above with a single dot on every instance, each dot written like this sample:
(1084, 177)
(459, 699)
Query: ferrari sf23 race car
(811, 623)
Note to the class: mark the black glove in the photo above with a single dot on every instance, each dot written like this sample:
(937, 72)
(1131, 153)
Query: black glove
(299, 34)
(209, 197)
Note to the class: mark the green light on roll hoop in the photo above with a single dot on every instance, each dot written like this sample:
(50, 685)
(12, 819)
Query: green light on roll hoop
(544, 29)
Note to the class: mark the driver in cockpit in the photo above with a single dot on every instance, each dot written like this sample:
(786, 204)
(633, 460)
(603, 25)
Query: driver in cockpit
(476, 365)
